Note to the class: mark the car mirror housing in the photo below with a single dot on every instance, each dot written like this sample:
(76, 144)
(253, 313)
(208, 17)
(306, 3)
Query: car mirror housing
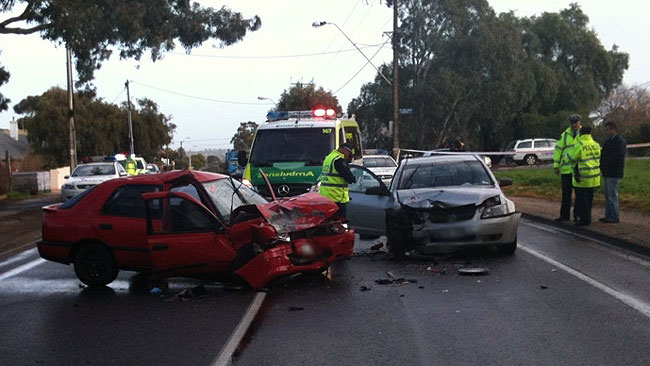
(504, 182)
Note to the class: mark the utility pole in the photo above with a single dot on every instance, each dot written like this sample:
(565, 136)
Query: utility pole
(128, 98)
(395, 82)
(73, 138)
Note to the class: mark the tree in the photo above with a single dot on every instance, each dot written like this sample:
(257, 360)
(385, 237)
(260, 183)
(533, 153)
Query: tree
(101, 127)
(243, 138)
(304, 97)
(92, 29)
(4, 77)
(629, 108)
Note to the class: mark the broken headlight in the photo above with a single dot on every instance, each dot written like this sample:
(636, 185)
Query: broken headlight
(493, 207)
(339, 228)
(305, 250)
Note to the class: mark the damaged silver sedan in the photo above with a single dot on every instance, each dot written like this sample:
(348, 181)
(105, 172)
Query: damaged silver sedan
(435, 204)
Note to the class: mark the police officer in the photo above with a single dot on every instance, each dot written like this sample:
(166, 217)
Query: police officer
(336, 176)
(562, 164)
(131, 167)
(585, 158)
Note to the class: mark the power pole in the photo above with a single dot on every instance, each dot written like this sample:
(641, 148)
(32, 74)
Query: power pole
(73, 138)
(395, 82)
(128, 98)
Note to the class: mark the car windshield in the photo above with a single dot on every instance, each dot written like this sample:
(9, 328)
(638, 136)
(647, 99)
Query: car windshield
(310, 145)
(377, 162)
(90, 170)
(229, 194)
(444, 174)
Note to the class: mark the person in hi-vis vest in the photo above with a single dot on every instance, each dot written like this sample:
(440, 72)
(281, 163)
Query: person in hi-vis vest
(336, 176)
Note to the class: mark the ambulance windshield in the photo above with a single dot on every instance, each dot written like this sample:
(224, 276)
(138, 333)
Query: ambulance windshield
(308, 145)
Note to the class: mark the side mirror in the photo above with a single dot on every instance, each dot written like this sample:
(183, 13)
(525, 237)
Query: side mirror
(504, 182)
(242, 157)
(377, 191)
(66, 177)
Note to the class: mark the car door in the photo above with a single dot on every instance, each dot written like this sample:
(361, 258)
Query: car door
(369, 198)
(185, 237)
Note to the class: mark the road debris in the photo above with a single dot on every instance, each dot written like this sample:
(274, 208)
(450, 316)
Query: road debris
(377, 246)
(473, 271)
(543, 287)
(189, 293)
(295, 308)
(364, 288)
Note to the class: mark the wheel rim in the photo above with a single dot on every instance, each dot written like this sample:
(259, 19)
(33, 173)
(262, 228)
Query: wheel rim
(530, 160)
(94, 264)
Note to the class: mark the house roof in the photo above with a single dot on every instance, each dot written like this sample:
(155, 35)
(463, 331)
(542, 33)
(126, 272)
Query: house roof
(16, 149)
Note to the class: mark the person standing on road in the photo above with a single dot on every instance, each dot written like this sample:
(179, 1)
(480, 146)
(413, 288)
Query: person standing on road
(336, 176)
(585, 161)
(562, 165)
(612, 163)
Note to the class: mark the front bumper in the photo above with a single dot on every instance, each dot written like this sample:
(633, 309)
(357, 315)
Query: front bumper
(475, 232)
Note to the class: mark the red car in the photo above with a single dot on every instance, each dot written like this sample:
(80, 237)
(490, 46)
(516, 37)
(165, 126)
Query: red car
(187, 223)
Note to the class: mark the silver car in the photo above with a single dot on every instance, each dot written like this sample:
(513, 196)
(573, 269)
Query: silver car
(383, 166)
(89, 175)
(435, 203)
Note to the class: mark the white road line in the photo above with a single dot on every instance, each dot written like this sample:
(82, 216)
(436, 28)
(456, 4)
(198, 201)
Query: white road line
(22, 268)
(18, 257)
(226, 353)
(630, 301)
(601, 245)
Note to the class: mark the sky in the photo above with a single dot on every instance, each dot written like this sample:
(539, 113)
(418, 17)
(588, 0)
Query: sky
(210, 91)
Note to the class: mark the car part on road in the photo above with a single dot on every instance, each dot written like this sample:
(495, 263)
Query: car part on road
(473, 271)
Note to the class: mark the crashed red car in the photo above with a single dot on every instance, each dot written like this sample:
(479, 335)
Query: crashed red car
(187, 223)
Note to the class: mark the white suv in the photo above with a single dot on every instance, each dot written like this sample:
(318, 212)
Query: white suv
(530, 151)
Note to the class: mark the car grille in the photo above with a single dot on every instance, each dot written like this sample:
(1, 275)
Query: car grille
(294, 189)
(454, 214)
(85, 186)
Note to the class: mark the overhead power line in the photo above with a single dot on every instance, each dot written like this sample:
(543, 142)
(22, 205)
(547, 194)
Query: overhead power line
(196, 97)
(273, 56)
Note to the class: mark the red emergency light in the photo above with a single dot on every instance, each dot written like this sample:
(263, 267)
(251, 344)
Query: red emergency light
(322, 112)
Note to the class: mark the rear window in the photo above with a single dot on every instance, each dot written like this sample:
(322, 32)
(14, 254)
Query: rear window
(76, 199)
(444, 174)
(127, 201)
(375, 162)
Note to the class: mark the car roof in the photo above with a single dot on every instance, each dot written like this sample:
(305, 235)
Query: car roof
(97, 163)
(377, 156)
(441, 158)
(162, 178)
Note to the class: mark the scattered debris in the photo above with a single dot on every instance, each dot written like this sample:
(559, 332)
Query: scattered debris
(391, 274)
(395, 281)
(377, 246)
(402, 295)
(420, 287)
(543, 287)
(554, 270)
(295, 308)
(445, 290)
(473, 271)
(364, 288)
(437, 270)
(155, 291)
(189, 293)
(383, 282)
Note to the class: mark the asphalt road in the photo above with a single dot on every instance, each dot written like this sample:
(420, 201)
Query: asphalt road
(559, 300)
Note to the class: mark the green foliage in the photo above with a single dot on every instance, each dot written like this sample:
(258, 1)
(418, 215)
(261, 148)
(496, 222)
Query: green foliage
(101, 128)
(542, 182)
(306, 97)
(198, 161)
(243, 138)
(4, 77)
(488, 79)
(18, 195)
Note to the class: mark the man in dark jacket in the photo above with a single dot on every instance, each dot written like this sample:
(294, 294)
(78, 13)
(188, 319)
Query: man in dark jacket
(612, 162)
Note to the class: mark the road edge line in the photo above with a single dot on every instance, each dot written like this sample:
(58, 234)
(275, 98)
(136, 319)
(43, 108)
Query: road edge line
(23, 268)
(630, 301)
(228, 350)
(20, 249)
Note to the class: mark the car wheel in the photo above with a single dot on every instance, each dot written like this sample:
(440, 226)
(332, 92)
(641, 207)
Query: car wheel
(508, 248)
(94, 265)
(530, 159)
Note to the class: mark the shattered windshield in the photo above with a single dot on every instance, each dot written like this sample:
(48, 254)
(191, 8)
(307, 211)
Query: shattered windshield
(228, 195)
(444, 174)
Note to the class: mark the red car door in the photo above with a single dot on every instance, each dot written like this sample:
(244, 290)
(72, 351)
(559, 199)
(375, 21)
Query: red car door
(184, 237)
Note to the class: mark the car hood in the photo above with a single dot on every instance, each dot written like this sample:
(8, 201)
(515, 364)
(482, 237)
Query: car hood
(426, 198)
(298, 213)
(95, 179)
(383, 170)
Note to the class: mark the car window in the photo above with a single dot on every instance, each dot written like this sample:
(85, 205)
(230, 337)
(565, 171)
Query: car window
(182, 215)
(96, 169)
(364, 181)
(188, 189)
(375, 162)
(228, 195)
(127, 201)
(525, 145)
(444, 174)
(540, 143)
(76, 199)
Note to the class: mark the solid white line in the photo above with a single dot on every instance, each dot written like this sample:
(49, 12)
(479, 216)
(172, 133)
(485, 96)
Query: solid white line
(18, 257)
(226, 353)
(630, 301)
(602, 246)
(22, 268)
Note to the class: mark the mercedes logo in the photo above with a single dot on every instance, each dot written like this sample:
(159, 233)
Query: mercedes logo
(283, 190)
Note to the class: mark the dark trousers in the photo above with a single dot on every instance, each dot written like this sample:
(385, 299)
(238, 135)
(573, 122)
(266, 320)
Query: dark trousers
(584, 200)
(342, 210)
(567, 191)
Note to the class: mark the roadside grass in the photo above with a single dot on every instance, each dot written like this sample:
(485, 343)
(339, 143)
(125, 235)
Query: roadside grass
(634, 190)
(19, 195)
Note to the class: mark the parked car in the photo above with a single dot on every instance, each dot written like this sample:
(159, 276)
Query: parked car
(383, 166)
(187, 223)
(152, 169)
(86, 176)
(435, 203)
(530, 151)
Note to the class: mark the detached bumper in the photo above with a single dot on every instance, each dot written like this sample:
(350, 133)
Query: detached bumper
(277, 261)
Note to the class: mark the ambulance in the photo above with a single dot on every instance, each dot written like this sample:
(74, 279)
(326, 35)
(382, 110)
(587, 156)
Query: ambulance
(290, 148)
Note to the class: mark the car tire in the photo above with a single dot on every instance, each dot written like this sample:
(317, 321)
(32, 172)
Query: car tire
(95, 265)
(530, 159)
(507, 249)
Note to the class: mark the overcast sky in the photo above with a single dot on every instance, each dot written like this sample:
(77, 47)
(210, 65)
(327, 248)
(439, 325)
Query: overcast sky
(211, 91)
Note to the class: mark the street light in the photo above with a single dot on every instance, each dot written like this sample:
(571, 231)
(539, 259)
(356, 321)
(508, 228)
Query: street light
(265, 98)
(320, 24)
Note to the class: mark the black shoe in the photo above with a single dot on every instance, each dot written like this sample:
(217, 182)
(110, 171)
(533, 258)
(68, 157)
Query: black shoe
(608, 221)
(560, 219)
(582, 223)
